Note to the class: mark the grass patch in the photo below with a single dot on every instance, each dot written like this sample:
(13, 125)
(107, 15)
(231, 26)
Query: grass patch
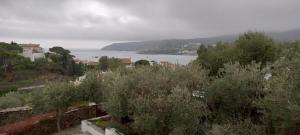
(7, 86)
(102, 123)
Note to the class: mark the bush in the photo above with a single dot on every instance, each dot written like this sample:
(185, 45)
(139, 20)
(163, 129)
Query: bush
(142, 63)
(231, 95)
(7, 90)
(244, 127)
(282, 101)
(12, 99)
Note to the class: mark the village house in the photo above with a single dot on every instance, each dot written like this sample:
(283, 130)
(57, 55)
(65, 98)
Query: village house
(126, 61)
(32, 51)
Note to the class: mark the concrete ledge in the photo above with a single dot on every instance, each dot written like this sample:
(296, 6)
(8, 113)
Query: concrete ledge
(87, 126)
(91, 128)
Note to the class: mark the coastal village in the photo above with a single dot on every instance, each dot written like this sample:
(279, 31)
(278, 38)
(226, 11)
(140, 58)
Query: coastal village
(35, 51)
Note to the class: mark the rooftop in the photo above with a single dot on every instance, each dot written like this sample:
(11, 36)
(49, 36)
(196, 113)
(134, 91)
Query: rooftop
(29, 45)
(126, 61)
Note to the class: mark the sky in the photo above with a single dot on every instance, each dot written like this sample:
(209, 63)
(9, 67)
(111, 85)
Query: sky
(96, 23)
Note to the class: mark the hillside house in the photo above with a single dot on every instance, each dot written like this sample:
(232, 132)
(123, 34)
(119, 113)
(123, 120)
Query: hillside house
(32, 51)
(126, 61)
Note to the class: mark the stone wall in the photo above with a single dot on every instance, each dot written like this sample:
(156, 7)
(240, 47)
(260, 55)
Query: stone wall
(47, 124)
(13, 115)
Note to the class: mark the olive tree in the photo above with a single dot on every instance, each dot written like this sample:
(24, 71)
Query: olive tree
(282, 101)
(158, 100)
(54, 97)
(232, 93)
(91, 88)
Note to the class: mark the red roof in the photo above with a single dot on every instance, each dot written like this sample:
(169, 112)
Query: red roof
(126, 61)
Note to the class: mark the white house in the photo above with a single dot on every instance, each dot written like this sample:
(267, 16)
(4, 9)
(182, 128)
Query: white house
(32, 51)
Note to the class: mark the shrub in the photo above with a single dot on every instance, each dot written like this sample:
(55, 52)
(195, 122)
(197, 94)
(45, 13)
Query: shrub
(12, 99)
(7, 90)
(231, 95)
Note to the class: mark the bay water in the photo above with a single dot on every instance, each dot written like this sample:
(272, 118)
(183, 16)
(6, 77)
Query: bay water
(95, 54)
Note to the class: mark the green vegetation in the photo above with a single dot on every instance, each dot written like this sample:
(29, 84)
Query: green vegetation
(106, 63)
(142, 63)
(257, 47)
(231, 95)
(63, 62)
(282, 103)
(13, 99)
(247, 87)
(250, 47)
(17, 71)
(91, 88)
(7, 90)
(11, 61)
(149, 99)
(55, 97)
(102, 123)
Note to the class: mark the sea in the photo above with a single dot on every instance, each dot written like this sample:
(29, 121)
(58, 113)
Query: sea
(95, 54)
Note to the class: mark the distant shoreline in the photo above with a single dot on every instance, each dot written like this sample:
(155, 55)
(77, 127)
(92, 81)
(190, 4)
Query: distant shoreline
(149, 52)
(95, 54)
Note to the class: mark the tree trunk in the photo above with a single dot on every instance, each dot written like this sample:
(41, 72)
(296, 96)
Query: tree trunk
(58, 119)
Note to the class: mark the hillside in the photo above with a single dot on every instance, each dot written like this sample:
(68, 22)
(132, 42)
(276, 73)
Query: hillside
(189, 46)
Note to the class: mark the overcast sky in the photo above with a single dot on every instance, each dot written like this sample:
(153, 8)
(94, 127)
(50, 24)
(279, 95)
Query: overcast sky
(95, 23)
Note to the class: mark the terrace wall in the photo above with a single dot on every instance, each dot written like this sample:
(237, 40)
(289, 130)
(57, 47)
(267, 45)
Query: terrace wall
(13, 115)
(44, 124)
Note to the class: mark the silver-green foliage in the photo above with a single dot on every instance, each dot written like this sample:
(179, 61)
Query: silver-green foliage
(282, 101)
(159, 100)
(12, 99)
(54, 97)
(233, 93)
(91, 89)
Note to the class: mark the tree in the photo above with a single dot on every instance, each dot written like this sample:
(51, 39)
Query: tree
(14, 47)
(282, 102)
(59, 50)
(8, 54)
(214, 57)
(232, 94)
(112, 64)
(55, 97)
(62, 57)
(142, 63)
(257, 47)
(118, 90)
(103, 63)
(148, 99)
(79, 68)
(91, 89)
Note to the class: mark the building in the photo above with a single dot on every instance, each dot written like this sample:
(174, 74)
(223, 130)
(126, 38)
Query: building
(32, 51)
(126, 61)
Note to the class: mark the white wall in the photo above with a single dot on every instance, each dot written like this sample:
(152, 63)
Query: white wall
(38, 55)
(89, 127)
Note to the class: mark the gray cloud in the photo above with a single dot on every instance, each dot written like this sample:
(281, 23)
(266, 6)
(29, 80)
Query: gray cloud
(134, 20)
